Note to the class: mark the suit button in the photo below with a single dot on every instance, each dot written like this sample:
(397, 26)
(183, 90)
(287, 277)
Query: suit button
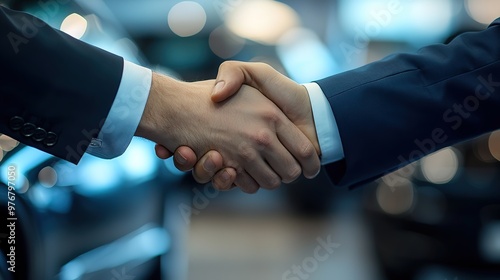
(50, 140)
(16, 123)
(28, 129)
(39, 134)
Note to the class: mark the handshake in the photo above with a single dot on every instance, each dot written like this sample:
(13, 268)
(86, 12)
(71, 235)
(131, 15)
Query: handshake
(252, 127)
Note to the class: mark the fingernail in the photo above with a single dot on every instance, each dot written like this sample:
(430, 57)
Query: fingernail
(209, 166)
(225, 176)
(218, 87)
(180, 159)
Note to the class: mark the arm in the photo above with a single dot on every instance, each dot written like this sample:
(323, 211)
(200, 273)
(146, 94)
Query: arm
(50, 81)
(397, 110)
(65, 88)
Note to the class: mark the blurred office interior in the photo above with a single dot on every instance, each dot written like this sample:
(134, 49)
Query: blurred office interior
(137, 217)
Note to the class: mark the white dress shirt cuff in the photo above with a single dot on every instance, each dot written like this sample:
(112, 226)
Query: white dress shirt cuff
(125, 113)
(326, 126)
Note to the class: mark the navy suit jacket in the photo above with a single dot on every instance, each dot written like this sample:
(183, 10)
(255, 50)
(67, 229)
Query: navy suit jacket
(394, 111)
(55, 91)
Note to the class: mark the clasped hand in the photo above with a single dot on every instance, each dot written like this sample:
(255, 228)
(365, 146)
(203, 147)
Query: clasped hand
(252, 127)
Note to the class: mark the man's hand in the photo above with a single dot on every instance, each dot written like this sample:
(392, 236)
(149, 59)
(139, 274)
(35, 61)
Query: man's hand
(289, 96)
(251, 134)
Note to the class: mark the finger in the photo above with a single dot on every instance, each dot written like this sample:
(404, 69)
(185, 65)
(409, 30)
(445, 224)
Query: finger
(277, 157)
(184, 158)
(246, 183)
(162, 152)
(300, 147)
(229, 80)
(253, 162)
(224, 179)
(208, 165)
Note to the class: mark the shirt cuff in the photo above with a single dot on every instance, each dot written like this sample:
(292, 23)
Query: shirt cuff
(125, 113)
(327, 130)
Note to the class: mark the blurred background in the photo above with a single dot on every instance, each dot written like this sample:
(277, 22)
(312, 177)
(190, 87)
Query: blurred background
(136, 217)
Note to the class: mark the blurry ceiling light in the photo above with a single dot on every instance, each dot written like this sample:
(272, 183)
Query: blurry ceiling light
(483, 11)
(47, 177)
(305, 57)
(263, 21)
(138, 161)
(225, 44)
(96, 176)
(7, 144)
(434, 16)
(74, 25)
(187, 18)
(441, 166)
(134, 249)
(427, 20)
(494, 144)
(396, 200)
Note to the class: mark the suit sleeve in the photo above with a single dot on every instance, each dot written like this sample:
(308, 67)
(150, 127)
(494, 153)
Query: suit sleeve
(393, 112)
(55, 91)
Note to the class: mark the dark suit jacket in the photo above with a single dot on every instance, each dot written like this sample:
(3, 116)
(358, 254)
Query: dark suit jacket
(394, 111)
(55, 91)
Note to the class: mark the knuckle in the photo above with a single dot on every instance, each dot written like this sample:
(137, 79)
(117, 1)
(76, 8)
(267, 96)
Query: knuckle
(248, 156)
(263, 138)
(226, 64)
(292, 174)
(218, 184)
(307, 151)
(271, 116)
(272, 181)
(246, 153)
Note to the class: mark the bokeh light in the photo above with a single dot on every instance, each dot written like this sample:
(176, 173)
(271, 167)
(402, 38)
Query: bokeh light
(23, 184)
(138, 162)
(263, 21)
(47, 177)
(396, 200)
(440, 167)
(305, 57)
(187, 18)
(225, 44)
(483, 11)
(74, 25)
(482, 150)
(494, 144)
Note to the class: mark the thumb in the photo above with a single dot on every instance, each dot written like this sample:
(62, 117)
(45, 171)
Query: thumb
(278, 88)
(229, 80)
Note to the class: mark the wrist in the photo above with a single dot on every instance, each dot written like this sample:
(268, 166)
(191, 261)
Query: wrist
(158, 111)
